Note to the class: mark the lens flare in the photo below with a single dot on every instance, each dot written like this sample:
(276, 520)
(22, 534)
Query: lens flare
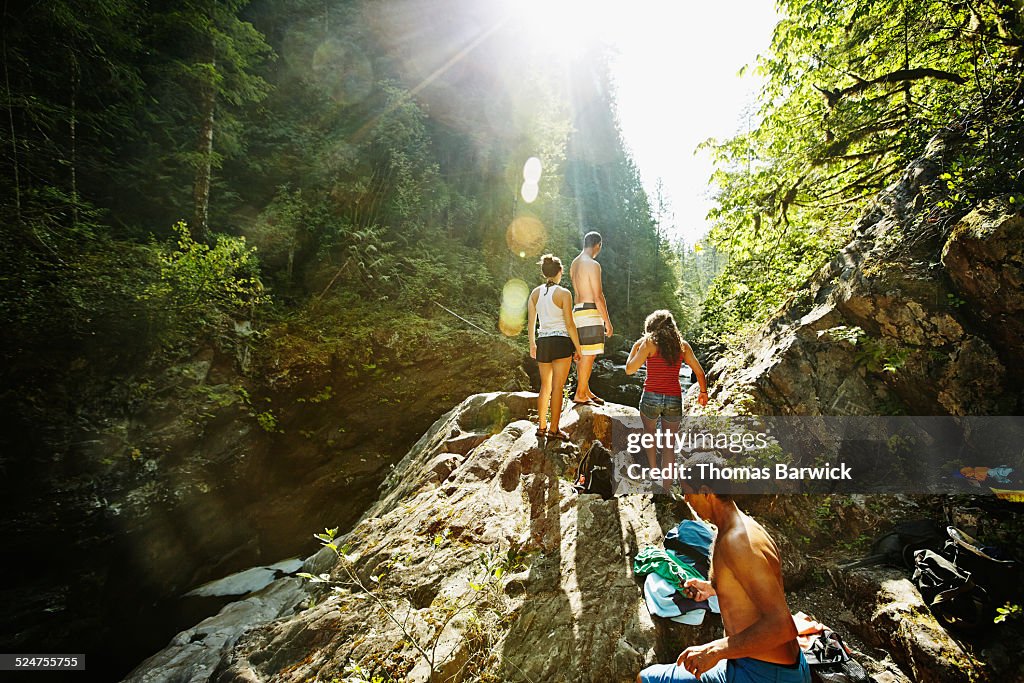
(343, 71)
(508, 326)
(514, 298)
(531, 170)
(529, 192)
(526, 235)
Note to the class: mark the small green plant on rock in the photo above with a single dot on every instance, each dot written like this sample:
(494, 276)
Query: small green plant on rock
(268, 422)
(851, 335)
(324, 395)
(959, 192)
(877, 356)
(354, 673)
(1009, 612)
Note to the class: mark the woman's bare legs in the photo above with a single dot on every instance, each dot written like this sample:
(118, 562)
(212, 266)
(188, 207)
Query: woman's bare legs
(650, 427)
(561, 373)
(544, 397)
(668, 455)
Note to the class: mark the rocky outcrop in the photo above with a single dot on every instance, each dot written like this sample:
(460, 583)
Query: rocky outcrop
(483, 563)
(984, 257)
(921, 314)
(916, 315)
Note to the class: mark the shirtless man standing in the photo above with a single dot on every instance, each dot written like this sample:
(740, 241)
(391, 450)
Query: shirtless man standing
(760, 637)
(590, 314)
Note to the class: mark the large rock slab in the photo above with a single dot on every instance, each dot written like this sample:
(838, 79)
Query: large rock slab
(484, 564)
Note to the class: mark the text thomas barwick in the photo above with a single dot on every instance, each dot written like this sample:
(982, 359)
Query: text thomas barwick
(709, 471)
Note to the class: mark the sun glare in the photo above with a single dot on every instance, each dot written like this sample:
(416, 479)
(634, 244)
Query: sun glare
(674, 70)
(565, 27)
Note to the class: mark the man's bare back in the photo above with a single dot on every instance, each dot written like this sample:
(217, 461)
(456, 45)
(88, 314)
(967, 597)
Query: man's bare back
(739, 552)
(746, 575)
(586, 279)
(590, 314)
(585, 273)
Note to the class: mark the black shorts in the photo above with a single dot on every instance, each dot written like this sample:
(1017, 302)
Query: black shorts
(552, 348)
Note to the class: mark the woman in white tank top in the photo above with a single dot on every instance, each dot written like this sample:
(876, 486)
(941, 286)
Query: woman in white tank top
(554, 346)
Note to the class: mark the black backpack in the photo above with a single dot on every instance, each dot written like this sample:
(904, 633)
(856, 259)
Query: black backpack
(956, 600)
(897, 547)
(999, 577)
(594, 474)
(829, 661)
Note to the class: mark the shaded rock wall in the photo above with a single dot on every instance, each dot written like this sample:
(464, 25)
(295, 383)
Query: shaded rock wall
(202, 474)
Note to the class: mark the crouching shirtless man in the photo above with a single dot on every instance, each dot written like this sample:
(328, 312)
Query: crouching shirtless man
(760, 643)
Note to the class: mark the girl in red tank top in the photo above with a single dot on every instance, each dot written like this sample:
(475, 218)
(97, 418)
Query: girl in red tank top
(662, 376)
(663, 351)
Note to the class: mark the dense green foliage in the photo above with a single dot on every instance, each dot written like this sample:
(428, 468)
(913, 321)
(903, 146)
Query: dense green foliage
(853, 92)
(698, 266)
(369, 154)
(373, 155)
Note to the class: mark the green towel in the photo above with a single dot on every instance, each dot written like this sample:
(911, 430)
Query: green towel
(665, 564)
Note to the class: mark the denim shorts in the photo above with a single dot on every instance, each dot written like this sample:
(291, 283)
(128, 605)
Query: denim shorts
(668, 408)
(744, 670)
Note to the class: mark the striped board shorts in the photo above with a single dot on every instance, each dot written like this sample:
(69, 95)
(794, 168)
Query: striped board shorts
(590, 327)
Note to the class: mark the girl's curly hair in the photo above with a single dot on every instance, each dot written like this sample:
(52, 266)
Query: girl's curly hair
(660, 326)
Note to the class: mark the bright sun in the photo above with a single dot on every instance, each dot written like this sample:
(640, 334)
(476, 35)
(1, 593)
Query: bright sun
(673, 65)
(565, 27)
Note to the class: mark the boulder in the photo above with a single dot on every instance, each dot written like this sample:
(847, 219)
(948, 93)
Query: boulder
(984, 257)
(610, 382)
(892, 615)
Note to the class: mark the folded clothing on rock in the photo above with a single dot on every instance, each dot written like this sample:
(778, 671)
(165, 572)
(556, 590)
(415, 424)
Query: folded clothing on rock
(686, 556)
(664, 600)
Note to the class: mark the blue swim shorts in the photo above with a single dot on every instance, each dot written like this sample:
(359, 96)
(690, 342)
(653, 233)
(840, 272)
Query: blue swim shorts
(732, 671)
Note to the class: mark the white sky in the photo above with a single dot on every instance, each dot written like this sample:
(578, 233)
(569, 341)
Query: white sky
(677, 86)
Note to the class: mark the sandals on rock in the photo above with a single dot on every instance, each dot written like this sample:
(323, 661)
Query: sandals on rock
(559, 435)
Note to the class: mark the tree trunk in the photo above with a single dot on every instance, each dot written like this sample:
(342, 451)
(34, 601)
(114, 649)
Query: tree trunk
(200, 228)
(14, 137)
(72, 131)
(629, 282)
